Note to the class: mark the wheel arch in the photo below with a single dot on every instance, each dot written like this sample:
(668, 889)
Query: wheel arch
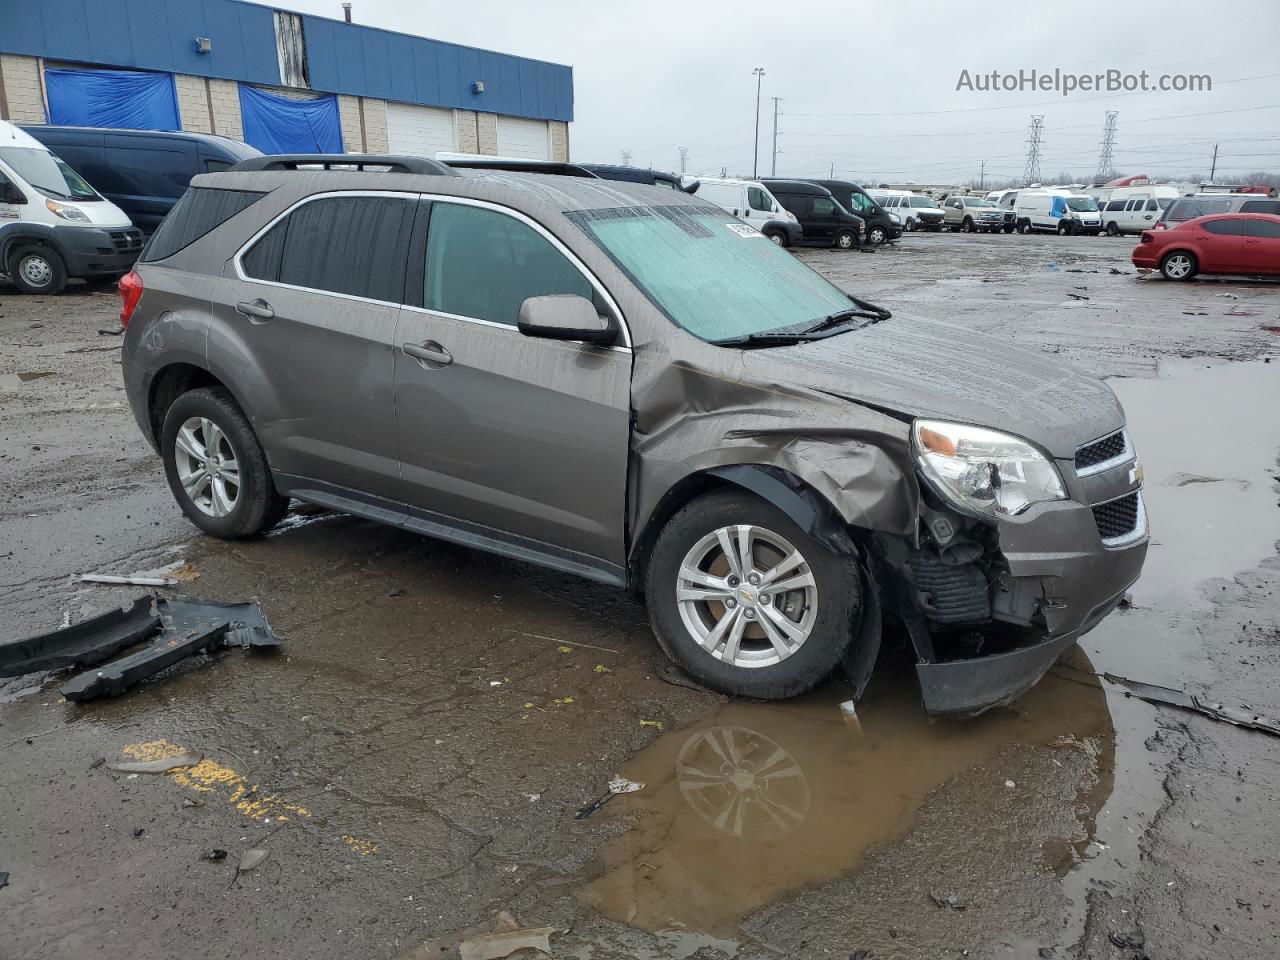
(171, 382)
(14, 235)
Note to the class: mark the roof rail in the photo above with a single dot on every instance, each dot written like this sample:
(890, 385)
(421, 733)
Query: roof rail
(521, 166)
(360, 161)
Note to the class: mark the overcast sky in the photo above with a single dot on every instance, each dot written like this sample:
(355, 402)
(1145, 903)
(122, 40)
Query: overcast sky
(870, 87)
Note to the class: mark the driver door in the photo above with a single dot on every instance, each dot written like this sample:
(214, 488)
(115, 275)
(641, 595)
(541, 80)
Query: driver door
(515, 439)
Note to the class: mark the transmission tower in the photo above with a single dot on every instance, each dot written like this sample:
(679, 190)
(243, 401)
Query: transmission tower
(1106, 169)
(1032, 173)
(684, 157)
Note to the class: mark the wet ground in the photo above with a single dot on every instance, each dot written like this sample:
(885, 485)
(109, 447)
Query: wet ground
(414, 760)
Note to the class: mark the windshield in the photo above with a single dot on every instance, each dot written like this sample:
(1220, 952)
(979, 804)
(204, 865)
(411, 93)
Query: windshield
(1189, 207)
(978, 202)
(921, 202)
(1082, 203)
(47, 173)
(1164, 202)
(712, 276)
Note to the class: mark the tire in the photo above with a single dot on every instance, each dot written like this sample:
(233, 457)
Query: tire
(36, 269)
(1024, 227)
(1063, 229)
(246, 507)
(1179, 265)
(876, 236)
(830, 603)
(910, 225)
(777, 236)
(1113, 229)
(967, 225)
(845, 240)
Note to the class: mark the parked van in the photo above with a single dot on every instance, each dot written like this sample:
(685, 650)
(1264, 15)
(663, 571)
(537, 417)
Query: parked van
(1134, 209)
(143, 172)
(750, 200)
(915, 211)
(53, 225)
(1203, 204)
(823, 220)
(1062, 210)
(658, 178)
(881, 225)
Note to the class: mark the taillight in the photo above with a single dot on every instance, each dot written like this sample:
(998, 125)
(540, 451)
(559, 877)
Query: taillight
(1146, 237)
(130, 288)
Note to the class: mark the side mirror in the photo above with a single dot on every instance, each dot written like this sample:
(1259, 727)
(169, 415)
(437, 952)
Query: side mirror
(11, 194)
(565, 316)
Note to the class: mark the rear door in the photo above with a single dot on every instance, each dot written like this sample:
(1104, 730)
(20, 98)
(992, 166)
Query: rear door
(1262, 246)
(520, 440)
(314, 300)
(1221, 246)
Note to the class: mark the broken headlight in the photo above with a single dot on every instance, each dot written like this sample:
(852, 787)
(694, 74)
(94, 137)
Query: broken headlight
(984, 471)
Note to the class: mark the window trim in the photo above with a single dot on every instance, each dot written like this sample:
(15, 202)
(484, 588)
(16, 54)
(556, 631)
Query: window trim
(238, 257)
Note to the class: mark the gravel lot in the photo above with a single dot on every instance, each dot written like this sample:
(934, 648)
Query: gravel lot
(414, 760)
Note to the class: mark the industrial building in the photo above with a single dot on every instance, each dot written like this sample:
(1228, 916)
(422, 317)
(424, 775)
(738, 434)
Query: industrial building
(281, 81)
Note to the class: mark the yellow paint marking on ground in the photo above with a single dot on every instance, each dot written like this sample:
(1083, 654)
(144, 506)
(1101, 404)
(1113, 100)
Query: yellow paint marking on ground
(209, 776)
(360, 845)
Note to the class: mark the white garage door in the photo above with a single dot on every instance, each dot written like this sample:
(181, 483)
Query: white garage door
(419, 131)
(518, 137)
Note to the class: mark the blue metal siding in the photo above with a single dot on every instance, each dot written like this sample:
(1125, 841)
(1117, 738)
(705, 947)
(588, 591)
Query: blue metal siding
(342, 58)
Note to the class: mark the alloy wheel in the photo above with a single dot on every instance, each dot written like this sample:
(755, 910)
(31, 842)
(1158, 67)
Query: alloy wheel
(207, 466)
(747, 596)
(1177, 266)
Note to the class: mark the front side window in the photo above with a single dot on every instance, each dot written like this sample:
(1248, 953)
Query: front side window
(1265, 229)
(759, 200)
(919, 202)
(859, 201)
(47, 173)
(709, 274)
(822, 207)
(484, 264)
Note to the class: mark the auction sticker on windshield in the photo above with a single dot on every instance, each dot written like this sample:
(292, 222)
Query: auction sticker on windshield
(742, 230)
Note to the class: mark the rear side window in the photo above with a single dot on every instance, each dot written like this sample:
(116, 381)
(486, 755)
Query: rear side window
(484, 264)
(350, 245)
(199, 211)
(1267, 229)
(1226, 228)
(1260, 206)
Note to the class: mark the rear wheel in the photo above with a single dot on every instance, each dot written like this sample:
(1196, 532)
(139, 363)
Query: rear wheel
(1113, 229)
(845, 240)
(910, 225)
(216, 468)
(967, 225)
(777, 236)
(1179, 265)
(36, 269)
(1025, 226)
(746, 601)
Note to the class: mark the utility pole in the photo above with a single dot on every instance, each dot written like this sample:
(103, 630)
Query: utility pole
(684, 157)
(1213, 167)
(758, 73)
(773, 170)
(1106, 168)
(626, 158)
(1031, 174)
(832, 174)
(982, 176)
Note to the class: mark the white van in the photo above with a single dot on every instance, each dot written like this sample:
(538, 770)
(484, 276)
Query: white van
(915, 211)
(53, 225)
(1061, 210)
(751, 201)
(1134, 209)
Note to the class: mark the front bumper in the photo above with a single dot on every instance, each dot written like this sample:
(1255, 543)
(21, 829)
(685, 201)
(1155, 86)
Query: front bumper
(93, 251)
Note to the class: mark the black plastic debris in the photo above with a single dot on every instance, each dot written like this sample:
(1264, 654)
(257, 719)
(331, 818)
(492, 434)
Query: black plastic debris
(1152, 693)
(82, 644)
(185, 628)
(4, 880)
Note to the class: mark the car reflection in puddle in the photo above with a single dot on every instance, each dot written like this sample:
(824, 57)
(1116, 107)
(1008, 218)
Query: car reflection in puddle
(761, 800)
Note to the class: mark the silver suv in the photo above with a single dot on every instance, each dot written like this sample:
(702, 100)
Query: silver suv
(974, 214)
(626, 383)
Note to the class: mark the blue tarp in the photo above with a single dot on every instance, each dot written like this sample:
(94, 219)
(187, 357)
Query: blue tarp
(277, 124)
(112, 98)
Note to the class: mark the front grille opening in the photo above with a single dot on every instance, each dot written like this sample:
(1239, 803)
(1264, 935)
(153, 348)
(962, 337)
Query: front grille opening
(1100, 451)
(1117, 519)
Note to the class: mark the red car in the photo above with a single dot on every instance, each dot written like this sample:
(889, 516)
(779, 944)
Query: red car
(1227, 243)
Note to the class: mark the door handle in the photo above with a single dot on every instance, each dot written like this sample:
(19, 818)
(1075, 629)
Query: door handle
(255, 309)
(429, 353)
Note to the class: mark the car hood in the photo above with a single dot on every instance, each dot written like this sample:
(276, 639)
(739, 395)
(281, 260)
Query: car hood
(929, 368)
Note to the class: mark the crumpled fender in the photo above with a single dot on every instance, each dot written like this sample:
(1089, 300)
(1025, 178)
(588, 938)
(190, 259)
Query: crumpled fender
(690, 421)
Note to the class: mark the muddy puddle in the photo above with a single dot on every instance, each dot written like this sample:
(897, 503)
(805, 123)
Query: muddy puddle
(760, 800)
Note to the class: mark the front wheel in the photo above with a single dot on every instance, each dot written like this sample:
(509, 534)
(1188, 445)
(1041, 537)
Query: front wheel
(777, 236)
(1113, 229)
(845, 240)
(1063, 229)
(747, 602)
(35, 269)
(1009, 228)
(877, 236)
(967, 225)
(216, 468)
(1179, 265)
(1024, 227)
(910, 225)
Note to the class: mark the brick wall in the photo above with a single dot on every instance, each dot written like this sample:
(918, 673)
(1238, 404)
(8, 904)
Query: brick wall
(559, 140)
(193, 105)
(225, 95)
(487, 133)
(375, 125)
(24, 98)
(349, 114)
(465, 122)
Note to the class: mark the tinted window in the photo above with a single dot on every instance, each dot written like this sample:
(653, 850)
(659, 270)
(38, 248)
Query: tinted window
(484, 264)
(262, 260)
(1225, 228)
(199, 211)
(1263, 228)
(351, 245)
(859, 202)
(1152, 205)
(1189, 207)
(1115, 205)
(214, 166)
(758, 199)
(822, 207)
(1260, 206)
(150, 166)
(795, 203)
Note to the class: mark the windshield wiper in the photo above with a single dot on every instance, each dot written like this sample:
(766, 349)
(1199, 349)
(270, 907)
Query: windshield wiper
(866, 311)
(752, 340)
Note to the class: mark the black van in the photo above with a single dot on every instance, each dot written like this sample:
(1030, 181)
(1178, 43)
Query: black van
(824, 220)
(660, 178)
(880, 222)
(143, 172)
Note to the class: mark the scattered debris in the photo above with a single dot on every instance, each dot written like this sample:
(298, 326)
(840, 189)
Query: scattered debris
(494, 939)
(949, 900)
(1076, 296)
(111, 333)
(1189, 701)
(360, 845)
(214, 856)
(1230, 296)
(82, 644)
(138, 832)
(623, 785)
(192, 802)
(252, 858)
(673, 675)
(188, 759)
(397, 592)
(131, 580)
(1189, 479)
(1129, 941)
(1196, 313)
(4, 880)
(861, 955)
(616, 786)
(562, 643)
(1010, 784)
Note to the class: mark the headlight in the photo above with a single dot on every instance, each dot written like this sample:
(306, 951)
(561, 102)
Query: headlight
(893, 217)
(66, 211)
(982, 470)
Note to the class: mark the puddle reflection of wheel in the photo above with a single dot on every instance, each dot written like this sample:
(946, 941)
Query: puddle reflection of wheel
(742, 783)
